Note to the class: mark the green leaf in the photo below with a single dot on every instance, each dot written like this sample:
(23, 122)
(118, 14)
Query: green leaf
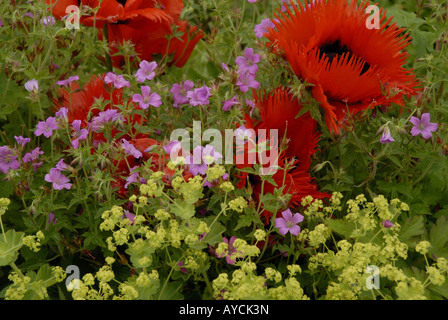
(438, 236)
(171, 291)
(215, 234)
(412, 227)
(10, 244)
(182, 209)
(247, 219)
(92, 240)
(441, 290)
(341, 227)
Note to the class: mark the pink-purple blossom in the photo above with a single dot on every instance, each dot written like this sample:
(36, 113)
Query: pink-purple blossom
(130, 216)
(104, 117)
(195, 162)
(262, 28)
(58, 179)
(33, 155)
(46, 127)
(146, 71)
(179, 92)
(52, 218)
(199, 96)
(231, 250)
(21, 141)
(134, 177)
(62, 113)
(247, 80)
(173, 148)
(62, 166)
(202, 157)
(387, 224)
(48, 21)
(118, 81)
(32, 85)
(67, 82)
(227, 104)
(130, 149)
(248, 62)
(78, 133)
(386, 136)
(33, 158)
(423, 126)
(289, 223)
(8, 159)
(147, 98)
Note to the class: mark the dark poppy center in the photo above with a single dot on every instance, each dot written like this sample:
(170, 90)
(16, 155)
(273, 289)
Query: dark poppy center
(122, 2)
(336, 49)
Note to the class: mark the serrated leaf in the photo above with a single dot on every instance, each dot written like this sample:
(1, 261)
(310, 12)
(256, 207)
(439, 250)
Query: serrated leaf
(182, 209)
(341, 227)
(171, 291)
(215, 234)
(438, 236)
(10, 244)
(412, 227)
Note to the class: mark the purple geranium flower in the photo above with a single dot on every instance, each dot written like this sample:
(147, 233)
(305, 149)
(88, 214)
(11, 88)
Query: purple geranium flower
(146, 71)
(61, 165)
(46, 127)
(195, 162)
(199, 96)
(52, 218)
(250, 104)
(21, 141)
(248, 62)
(62, 113)
(179, 92)
(289, 223)
(210, 155)
(8, 159)
(387, 224)
(58, 179)
(386, 137)
(262, 28)
(242, 135)
(117, 80)
(104, 117)
(32, 156)
(130, 149)
(182, 268)
(48, 21)
(130, 216)
(79, 134)
(134, 177)
(173, 148)
(423, 126)
(229, 103)
(67, 82)
(230, 250)
(32, 85)
(147, 98)
(247, 80)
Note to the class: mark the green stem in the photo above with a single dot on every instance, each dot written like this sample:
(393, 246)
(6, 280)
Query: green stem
(207, 282)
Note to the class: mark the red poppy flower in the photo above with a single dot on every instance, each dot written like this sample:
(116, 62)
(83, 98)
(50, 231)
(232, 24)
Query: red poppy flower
(146, 23)
(278, 110)
(149, 32)
(328, 44)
